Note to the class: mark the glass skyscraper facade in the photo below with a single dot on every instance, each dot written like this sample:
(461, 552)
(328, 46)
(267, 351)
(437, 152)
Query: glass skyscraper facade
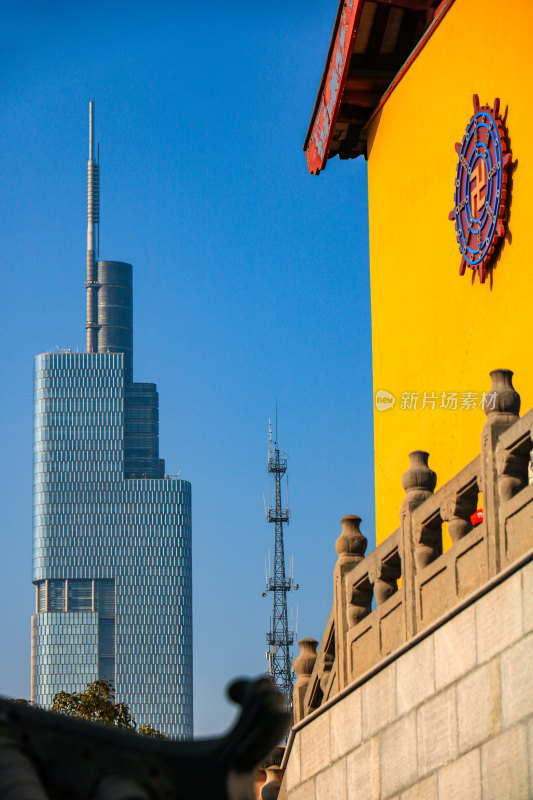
(111, 554)
(111, 532)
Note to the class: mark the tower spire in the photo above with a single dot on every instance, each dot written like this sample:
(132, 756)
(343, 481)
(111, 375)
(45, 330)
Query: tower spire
(91, 129)
(93, 221)
(279, 638)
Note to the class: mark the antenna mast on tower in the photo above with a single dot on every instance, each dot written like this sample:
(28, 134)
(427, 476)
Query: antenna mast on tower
(279, 638)
(93, 223)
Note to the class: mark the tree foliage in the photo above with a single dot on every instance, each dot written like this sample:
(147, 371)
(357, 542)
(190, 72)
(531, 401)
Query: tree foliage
(97, 703)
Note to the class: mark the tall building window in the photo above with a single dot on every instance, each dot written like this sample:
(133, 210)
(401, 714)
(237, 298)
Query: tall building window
(80, 595)
(56, 595)
(41, 596)
(105, 598)
(106, 636)
(105, 605)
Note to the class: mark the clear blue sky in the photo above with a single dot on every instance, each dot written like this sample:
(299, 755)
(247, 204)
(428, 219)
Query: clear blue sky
(250, 284)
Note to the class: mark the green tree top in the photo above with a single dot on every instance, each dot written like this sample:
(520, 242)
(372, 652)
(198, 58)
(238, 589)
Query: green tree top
(97, 703)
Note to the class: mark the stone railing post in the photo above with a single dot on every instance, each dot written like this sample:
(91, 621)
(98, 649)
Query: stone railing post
(350, 547)
(303, 666)
(417, 548)
(502, 407)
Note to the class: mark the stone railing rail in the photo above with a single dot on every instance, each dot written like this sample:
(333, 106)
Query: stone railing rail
(408, 578)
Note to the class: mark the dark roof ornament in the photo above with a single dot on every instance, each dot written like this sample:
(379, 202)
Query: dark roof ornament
(46, 756)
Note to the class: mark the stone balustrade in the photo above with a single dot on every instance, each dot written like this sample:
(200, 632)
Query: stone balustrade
(383, 599)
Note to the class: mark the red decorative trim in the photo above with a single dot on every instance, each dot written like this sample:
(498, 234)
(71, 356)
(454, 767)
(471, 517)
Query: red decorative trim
(319, 139)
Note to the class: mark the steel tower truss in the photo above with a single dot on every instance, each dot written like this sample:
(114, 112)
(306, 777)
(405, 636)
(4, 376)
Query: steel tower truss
(279, 638)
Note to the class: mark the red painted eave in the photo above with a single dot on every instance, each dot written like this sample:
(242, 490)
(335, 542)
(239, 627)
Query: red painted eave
(373, 44)
(327, 104)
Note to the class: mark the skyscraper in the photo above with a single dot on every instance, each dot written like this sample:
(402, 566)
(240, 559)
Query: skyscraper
(111, 531)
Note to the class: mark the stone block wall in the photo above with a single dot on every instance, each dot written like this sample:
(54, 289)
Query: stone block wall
(447, 715)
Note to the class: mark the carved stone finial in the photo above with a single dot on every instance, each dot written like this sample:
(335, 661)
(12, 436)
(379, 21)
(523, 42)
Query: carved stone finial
(502, 398)
(303, 665)
(270, 788)
(351, 544)
(419, 483)
(419, 476)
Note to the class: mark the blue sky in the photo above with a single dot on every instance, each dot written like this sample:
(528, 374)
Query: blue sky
(250, 285)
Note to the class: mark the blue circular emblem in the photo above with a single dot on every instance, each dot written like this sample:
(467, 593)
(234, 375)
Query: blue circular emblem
(481, 188)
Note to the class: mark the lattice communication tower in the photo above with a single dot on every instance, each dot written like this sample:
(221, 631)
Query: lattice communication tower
(279, 638)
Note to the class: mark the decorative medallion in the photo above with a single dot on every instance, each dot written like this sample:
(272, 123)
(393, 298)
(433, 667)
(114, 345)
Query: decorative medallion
(480, 209)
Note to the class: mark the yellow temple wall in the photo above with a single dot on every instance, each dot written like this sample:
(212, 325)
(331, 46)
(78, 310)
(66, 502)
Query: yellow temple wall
(434, 331)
